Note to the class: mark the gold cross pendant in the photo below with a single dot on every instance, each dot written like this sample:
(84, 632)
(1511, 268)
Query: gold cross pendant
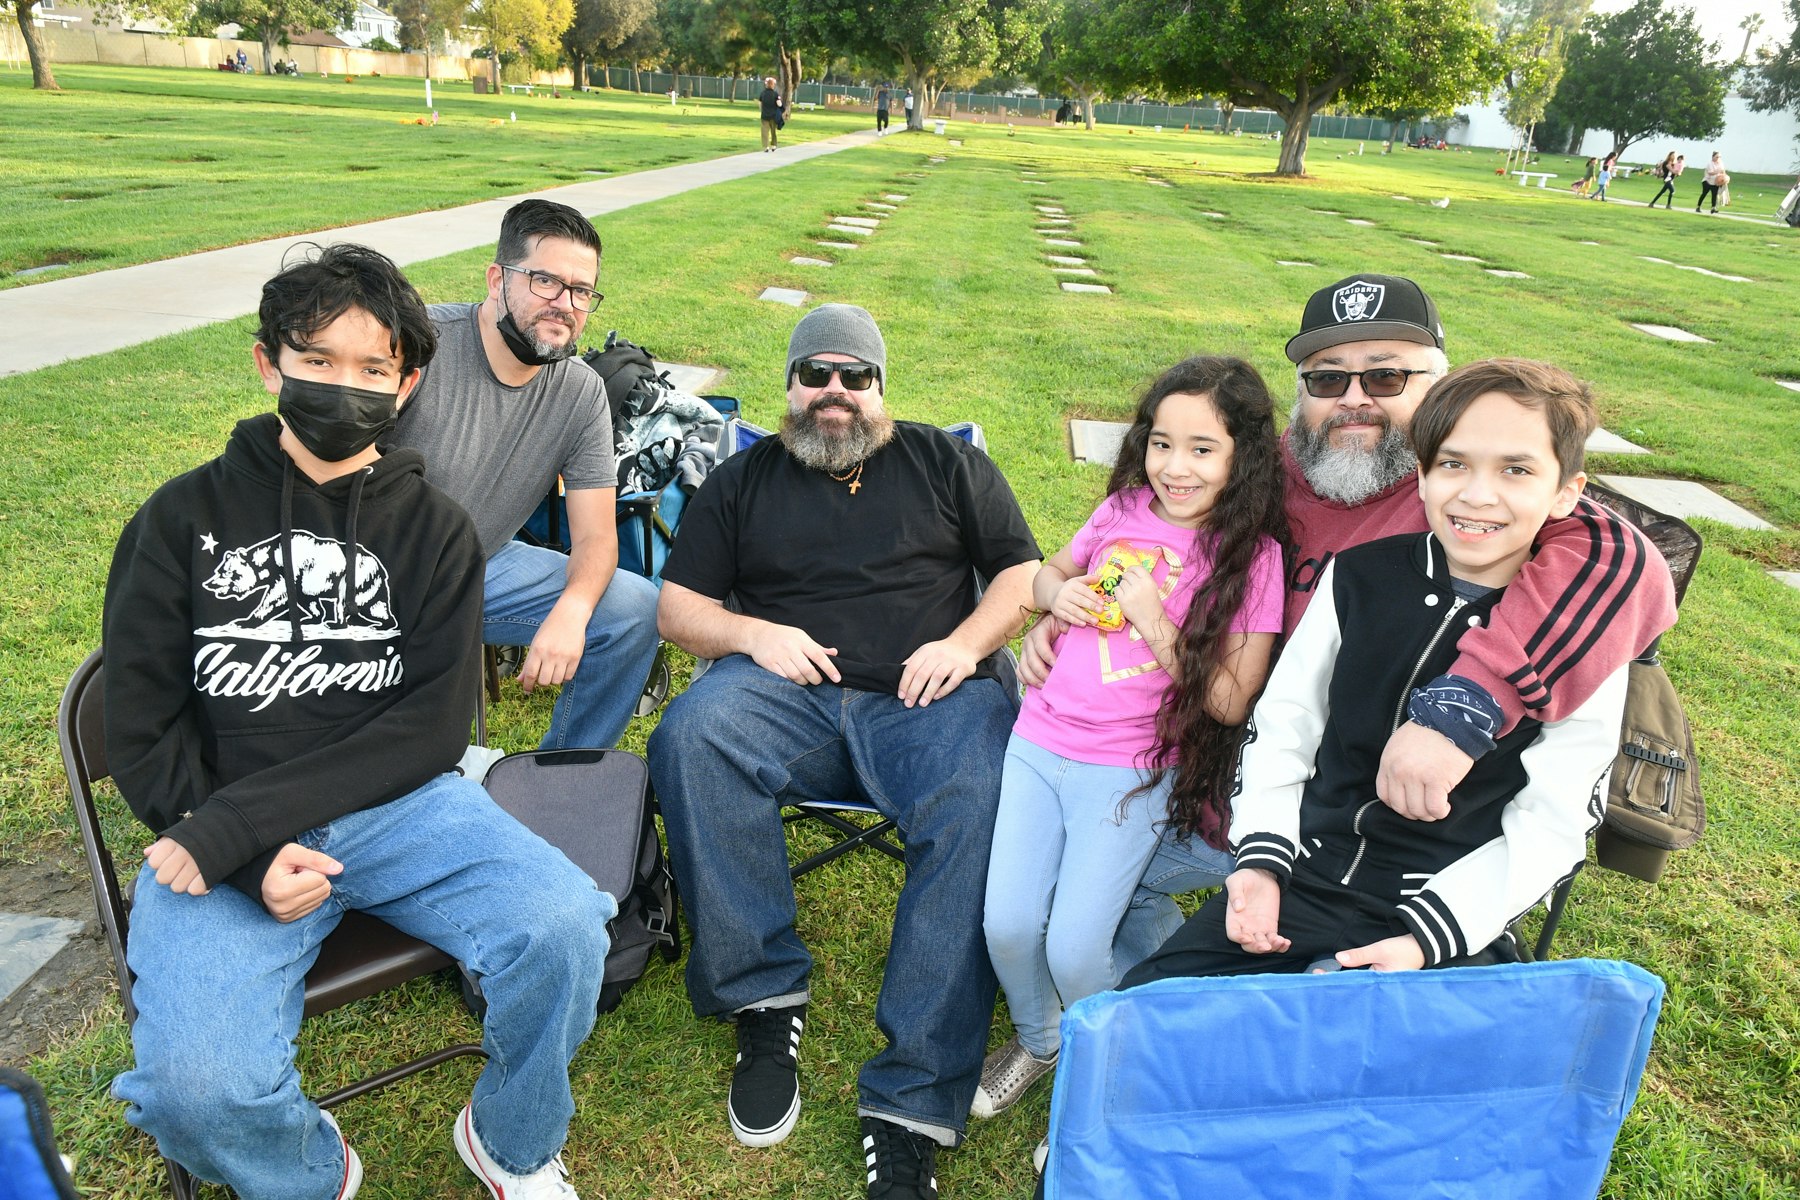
(854, 485)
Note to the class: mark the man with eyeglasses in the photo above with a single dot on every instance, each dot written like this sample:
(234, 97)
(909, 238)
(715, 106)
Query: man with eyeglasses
(854, 663)
(503, 411)
(1594, 595)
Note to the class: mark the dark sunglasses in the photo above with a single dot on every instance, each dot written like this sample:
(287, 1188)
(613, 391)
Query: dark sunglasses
(1379, 383)
(856, 376)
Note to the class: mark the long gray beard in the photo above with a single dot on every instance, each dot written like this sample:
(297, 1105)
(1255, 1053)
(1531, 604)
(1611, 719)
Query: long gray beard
(834, 451)
(1350, 474)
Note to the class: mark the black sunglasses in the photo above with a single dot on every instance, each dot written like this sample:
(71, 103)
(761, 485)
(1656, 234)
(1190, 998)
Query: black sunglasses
(1379, 383)
(856, 376)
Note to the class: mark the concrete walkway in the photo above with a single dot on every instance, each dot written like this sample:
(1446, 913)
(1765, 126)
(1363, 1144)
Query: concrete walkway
(53, 322)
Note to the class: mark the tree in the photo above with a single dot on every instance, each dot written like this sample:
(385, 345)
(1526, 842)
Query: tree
(271, 21)
(929, 42)
(602, 26)
(520, 27)
(41, 75)
(1297, 56)
(1643, 71)
(1775, 83)
(1532, 80)
(1074, 61)
(426, 24)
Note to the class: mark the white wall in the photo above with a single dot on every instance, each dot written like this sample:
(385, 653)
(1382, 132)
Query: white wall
(1762, 142)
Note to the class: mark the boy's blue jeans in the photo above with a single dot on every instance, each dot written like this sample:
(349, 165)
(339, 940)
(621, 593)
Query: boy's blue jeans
(1064, 867)
(220, 985)
(523, 584)
(740, 743)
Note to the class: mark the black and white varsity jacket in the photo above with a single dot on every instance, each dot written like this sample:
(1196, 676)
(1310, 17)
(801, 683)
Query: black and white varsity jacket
(1386, 621)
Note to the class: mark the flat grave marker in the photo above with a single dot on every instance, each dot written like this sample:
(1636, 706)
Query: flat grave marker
(1683, 498)
(781, 295)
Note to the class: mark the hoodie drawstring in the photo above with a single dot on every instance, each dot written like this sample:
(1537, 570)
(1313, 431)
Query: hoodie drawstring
(298, 634)
(350, 547)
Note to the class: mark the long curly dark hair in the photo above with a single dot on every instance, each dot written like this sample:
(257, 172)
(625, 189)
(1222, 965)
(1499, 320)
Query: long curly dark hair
(1200, 751)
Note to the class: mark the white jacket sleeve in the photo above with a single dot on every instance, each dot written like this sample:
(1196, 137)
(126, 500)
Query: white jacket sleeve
(1282, 744)
(1544, 835)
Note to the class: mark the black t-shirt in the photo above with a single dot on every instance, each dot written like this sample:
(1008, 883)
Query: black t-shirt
(875, 574)
(771, 104)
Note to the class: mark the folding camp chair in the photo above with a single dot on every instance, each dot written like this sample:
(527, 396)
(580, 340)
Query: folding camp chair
(858, 823)
(1680, 547)
(1479, 1083)
(362, 957)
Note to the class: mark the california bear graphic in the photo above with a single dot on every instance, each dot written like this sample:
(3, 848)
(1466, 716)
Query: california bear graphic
(319, 576)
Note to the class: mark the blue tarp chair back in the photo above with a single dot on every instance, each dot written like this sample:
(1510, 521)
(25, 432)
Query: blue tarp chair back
(1490, 1083)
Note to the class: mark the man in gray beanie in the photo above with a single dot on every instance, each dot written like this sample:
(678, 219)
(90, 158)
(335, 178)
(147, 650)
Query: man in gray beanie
(854, 664)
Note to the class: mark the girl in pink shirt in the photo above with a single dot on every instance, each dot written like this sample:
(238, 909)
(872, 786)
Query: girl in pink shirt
(1139, 721)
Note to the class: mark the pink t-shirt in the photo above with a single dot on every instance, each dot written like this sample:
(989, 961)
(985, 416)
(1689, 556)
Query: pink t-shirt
(1101, 700)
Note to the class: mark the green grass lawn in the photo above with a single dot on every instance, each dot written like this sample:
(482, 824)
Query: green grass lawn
(977, 328)
(130, 164)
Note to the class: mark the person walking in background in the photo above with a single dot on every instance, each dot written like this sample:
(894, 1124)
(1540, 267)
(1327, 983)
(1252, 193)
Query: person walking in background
(1586, 181)
(907, 104)
(881, 108)
(1712, 182)
(1666, 170)
(1604, 178)
(772, 120)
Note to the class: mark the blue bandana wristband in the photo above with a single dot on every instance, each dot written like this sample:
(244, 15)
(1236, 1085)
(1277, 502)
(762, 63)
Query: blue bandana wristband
(1458, 708)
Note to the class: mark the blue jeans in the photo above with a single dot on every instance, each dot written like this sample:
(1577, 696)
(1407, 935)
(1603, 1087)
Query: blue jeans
(1175, 869)
(220, 985)
(740, 743)
(523, 584)
(1065, 866)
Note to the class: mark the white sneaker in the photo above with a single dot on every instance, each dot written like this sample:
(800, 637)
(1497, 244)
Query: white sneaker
(548, 1182)
(1040, 1156)
(352, 1164)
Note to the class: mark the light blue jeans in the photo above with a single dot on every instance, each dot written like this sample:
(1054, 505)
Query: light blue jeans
(220, 985)
(741, 742)
(1064, 867)
(1176, 869)
(523, 584)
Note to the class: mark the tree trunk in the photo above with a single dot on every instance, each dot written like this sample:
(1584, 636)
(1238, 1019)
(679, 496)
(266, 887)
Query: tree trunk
(268, 49)
(41, 75)
(1087, 109)
(1577, 136)
(1226, 111)
(1293, 142)
(579, 62)
(915, 78)
(494, 72)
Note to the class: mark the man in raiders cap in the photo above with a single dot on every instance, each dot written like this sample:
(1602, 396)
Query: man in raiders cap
(1593, 597)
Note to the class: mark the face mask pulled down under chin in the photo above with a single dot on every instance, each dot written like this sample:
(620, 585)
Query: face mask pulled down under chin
(335, 421)
(521, 346)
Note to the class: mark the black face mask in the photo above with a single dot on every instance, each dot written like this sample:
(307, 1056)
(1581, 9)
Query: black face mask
(335, 421)
(521, 346)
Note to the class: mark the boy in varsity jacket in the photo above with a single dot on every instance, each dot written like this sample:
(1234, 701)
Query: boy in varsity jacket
(290, 654)
(1326, 874)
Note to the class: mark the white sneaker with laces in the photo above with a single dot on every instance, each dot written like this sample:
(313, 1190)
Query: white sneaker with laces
(353, 1171)
(548, 1182)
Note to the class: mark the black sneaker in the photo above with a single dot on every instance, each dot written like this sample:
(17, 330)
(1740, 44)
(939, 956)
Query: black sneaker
(902, 1164)
(765, 1083)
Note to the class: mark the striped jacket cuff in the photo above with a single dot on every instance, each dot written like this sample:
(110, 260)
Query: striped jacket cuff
(1429, 920)
(1269, 851)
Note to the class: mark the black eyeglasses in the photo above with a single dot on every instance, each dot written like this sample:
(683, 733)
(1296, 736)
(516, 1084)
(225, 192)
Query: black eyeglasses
(816, 373)
(1378, 383)
(549, 287)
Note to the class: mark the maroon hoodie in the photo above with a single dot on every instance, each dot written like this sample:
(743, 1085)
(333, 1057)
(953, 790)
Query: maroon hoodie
(1593, 596)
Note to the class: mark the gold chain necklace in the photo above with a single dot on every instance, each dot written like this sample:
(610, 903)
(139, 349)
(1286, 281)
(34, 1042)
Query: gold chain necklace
(853, 477)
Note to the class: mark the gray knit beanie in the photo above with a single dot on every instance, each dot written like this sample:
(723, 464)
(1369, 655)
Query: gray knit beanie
(838, 329)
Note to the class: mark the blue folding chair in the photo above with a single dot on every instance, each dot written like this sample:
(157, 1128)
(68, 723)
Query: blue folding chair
(1486, 1083)
(858, 823)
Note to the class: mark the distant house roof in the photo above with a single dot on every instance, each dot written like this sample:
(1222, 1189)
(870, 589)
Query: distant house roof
(318, 37)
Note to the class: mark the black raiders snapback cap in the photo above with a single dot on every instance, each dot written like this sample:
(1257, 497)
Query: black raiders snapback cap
(1366, 308)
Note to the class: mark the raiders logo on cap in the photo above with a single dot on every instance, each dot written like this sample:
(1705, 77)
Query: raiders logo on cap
(1358, 301)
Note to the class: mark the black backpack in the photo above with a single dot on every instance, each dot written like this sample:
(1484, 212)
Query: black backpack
(596, 807)
(624, 367)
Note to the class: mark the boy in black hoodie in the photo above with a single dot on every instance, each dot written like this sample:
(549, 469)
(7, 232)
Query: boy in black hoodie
(290, 642)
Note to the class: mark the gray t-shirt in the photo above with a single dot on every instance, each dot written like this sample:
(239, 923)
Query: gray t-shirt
(497, 450)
